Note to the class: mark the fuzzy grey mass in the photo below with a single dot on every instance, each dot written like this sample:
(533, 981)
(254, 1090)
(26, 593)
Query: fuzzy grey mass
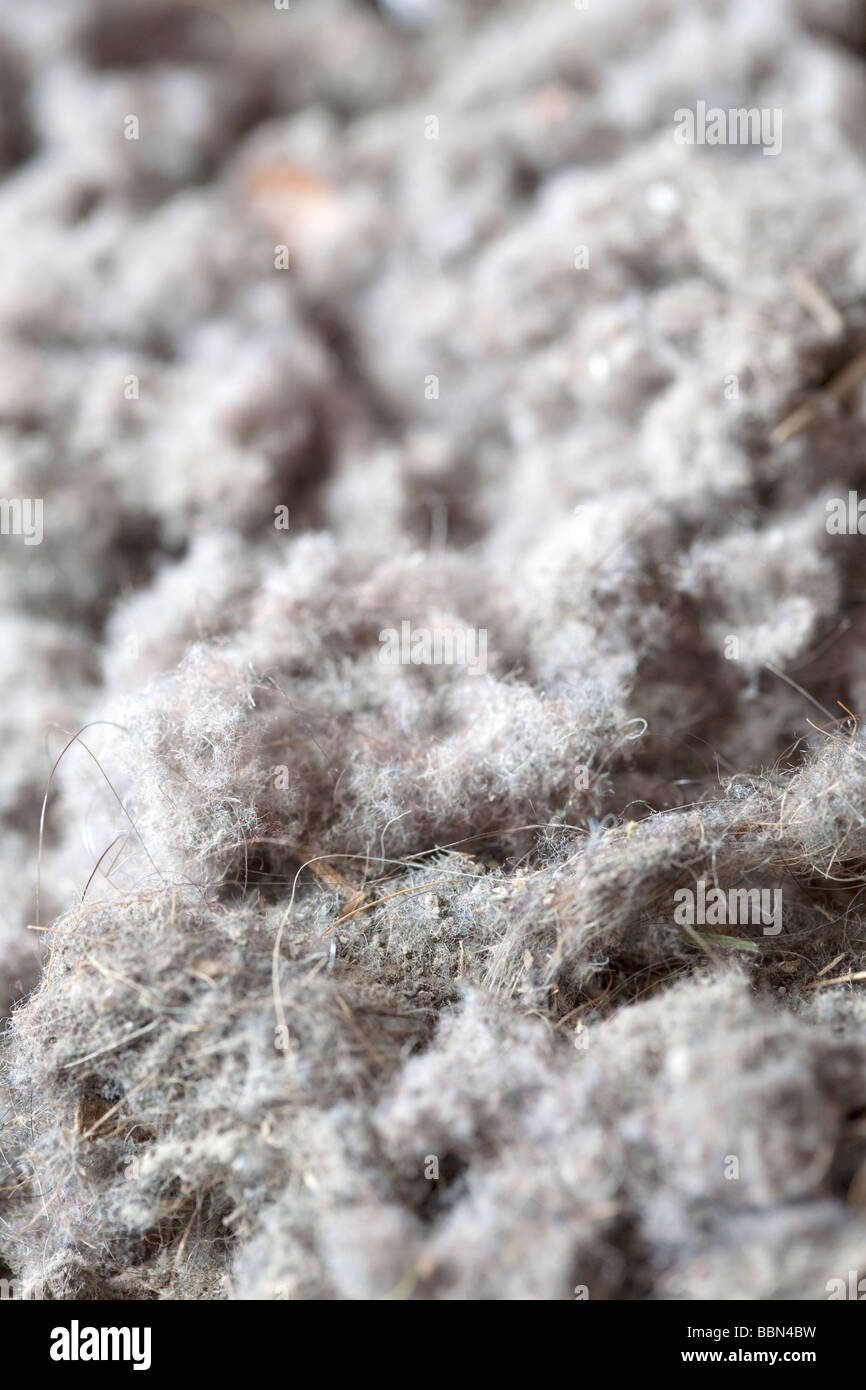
(434, 587)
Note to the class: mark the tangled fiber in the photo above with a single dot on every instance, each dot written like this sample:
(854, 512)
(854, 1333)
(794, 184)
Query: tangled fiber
(349, 979)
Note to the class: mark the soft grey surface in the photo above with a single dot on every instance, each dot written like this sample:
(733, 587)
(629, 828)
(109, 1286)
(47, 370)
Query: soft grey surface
(587, 489)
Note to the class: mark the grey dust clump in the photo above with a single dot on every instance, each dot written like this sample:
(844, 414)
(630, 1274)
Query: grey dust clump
(433, 451)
